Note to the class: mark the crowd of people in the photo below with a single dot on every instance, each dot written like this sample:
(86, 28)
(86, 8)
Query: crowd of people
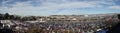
(71, 27)
(56, 27)
(30, 26)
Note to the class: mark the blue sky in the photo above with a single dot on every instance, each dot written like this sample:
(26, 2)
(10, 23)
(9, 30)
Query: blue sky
(59, 7)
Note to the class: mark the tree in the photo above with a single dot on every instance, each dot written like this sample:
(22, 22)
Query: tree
(34, 30)
(6, 16)
(110, 23)
(1, 17)
(11, 16)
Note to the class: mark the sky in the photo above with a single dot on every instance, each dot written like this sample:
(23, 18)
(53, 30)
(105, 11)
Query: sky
(59, 7)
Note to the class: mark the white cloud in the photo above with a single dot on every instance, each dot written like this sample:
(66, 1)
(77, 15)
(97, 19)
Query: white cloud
(114, 7)
(50, 6)
(26, 6)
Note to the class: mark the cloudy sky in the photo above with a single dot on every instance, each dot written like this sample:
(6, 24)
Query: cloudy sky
(59, 7)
